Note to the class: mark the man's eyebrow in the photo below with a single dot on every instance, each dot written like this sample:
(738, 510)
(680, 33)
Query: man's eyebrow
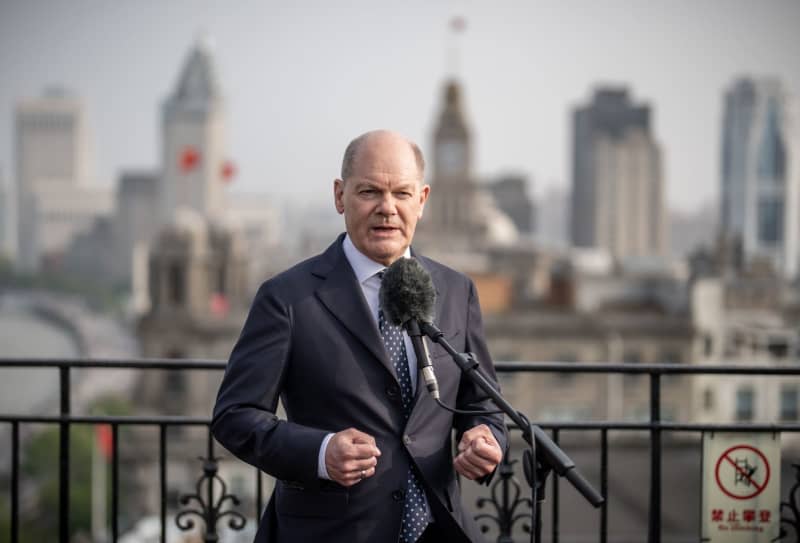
(365, 183)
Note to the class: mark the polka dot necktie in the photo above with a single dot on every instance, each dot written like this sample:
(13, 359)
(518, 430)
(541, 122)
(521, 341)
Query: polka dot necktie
(416, 512)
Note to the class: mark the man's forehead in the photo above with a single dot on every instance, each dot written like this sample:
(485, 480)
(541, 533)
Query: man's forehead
(383, 153)
(386, 167)
(385, 156)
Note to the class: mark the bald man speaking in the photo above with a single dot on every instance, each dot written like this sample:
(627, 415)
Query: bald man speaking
(365, 454)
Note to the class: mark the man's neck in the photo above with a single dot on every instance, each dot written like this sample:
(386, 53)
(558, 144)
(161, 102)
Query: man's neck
(362, 265)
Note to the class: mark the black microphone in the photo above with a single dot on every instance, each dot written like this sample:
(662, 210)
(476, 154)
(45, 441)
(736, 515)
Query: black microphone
(408, 297)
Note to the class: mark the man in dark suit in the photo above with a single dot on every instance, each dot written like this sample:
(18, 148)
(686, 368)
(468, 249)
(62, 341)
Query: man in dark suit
(365, 454)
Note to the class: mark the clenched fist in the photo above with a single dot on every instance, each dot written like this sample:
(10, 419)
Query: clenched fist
(351, 456)
(478, 453)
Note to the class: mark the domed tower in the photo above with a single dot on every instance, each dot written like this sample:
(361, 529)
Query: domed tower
(198, 302)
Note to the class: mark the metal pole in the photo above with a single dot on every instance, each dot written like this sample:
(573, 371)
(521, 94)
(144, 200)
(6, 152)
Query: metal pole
(655, 459)
(14, 482)
(63, 464)
(162, 478)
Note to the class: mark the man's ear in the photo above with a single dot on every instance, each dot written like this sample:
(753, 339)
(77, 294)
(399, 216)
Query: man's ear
(338, 195)
(423, 197)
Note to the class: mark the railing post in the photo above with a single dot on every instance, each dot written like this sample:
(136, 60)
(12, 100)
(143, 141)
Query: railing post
(114, 482)
(14, 482)
(211, 535)
(554, 484)
(604, 485)
(64, 456)
(162, 479)
(655, 458)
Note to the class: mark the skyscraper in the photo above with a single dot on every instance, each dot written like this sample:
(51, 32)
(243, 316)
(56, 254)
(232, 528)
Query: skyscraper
(617, 188)
(760, 185)
(136, 199)
(52, 158)
(194, 140)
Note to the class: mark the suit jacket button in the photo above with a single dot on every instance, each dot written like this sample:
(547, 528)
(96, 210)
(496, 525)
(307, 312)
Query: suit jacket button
(398, 495)
(407, 439)
(393, 391)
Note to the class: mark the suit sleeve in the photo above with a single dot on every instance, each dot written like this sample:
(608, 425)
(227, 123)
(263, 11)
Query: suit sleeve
(244, 420)
(470, 396)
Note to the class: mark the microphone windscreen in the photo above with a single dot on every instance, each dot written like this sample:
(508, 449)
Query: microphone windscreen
(407, 292)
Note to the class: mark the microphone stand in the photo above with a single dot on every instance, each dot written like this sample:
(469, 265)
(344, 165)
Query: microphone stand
(542, 456)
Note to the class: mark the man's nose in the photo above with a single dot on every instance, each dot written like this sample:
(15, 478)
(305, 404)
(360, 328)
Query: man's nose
(387, 205)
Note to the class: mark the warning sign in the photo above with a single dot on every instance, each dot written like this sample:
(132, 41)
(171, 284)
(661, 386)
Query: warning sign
(741, 487)
(742, 472)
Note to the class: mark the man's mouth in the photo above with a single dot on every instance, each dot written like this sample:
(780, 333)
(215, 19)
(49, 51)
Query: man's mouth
(384, 229)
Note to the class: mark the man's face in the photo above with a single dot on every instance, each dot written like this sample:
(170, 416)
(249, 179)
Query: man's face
(383, 198)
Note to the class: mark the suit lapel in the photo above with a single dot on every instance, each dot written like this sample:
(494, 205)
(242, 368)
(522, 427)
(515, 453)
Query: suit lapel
(341, 294)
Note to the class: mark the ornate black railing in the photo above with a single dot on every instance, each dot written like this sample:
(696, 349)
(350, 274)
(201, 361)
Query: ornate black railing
(210, 506)
(504, 512)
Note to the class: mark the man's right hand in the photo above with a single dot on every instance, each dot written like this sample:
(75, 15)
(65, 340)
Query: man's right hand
(351, 456)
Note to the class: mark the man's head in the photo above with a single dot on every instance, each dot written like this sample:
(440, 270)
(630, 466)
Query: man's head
(381, 193)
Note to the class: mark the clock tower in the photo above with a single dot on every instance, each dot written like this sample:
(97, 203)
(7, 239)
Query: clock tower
(450, 218)
(194, 140)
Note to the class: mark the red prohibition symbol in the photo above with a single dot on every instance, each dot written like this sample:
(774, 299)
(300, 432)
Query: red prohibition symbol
(746, 476)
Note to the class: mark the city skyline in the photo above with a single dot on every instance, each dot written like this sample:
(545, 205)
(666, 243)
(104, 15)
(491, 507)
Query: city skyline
(299, 82)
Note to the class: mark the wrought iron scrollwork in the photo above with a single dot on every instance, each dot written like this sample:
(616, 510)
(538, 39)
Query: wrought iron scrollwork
(210, 508)
(506, 499)
(790, 514)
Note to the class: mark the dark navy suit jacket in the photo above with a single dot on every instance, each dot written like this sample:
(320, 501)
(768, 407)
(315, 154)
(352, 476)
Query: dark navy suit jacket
(310, 340)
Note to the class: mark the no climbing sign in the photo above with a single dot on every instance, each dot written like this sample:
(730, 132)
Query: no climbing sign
(741, 487)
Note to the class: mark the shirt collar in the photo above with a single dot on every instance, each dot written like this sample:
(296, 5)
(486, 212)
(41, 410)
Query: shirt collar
(363, 266)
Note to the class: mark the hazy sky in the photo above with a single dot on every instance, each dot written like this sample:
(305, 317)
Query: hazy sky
(302, 78)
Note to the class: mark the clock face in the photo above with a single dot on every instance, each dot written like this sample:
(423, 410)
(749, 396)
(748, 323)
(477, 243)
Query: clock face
(452, 157)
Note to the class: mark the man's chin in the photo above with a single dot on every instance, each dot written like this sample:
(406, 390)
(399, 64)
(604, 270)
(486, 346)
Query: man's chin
(386, 252)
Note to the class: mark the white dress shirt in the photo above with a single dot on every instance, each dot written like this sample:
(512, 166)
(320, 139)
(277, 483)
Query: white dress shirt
(366, 271)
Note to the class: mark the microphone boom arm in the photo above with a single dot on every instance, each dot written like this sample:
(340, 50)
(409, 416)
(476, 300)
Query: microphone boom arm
(554, 456)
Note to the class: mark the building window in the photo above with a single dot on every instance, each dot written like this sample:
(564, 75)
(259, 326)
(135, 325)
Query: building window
(177, 284)
(778, 347)
(708, 344)
(770, 221)
(670, 357)
(708, 399)
(745, 398)
(222, 280)
(789, 396)
(155, 286)
(632, 357)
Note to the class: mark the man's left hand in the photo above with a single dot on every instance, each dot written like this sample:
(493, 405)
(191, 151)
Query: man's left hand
(478, 453)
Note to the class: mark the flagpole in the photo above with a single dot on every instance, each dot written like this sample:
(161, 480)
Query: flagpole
(99, 486)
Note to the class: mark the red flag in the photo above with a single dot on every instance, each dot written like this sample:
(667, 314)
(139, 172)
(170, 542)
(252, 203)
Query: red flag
(189, 159)
(105, 440)
(228, 171)
(219, 304)
(458, 24)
